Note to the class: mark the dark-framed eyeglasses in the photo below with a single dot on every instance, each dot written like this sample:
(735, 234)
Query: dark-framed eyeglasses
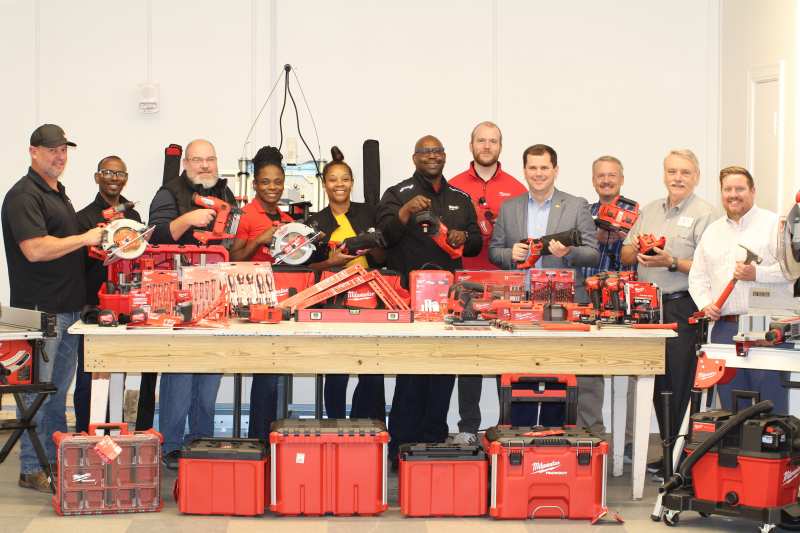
(433, 150)
(107, 173)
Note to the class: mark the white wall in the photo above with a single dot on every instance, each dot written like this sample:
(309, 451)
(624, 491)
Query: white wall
(754, 36)
(629, 78)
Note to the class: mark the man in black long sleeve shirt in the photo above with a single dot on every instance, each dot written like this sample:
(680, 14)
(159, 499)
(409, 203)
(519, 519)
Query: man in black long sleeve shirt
(420, 404)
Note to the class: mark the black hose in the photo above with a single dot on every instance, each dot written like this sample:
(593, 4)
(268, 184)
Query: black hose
(678, 479)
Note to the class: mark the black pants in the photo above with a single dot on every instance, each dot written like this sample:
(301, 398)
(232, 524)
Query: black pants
(263, 405)
(419, 409)
(82, 395)
(368, 397)
(146, 408)
(680, 362)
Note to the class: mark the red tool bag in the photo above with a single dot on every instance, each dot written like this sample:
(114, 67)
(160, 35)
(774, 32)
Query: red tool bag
(546, 473)
(534, 388)
(289, 280)
(328, 467)
(223, 477)
(112, 474)
(443, 480)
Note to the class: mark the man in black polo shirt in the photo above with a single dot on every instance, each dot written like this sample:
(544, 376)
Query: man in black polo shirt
(111, 177)
(45, 254)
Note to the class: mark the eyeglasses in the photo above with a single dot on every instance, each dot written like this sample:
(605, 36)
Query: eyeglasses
(107, 173)
(435, 150)
(198, 160)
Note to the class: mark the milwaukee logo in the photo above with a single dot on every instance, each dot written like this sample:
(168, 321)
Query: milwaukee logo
(82, 478)
(502, 193)
(364, 295)
(548, 468)
(406, 188)
(453, 207)
(705, 375)
(791, 475)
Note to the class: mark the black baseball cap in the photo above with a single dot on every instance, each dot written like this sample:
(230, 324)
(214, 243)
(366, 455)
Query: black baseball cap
(50, 136)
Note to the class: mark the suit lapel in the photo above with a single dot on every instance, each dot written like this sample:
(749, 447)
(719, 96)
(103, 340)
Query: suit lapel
(556, 210)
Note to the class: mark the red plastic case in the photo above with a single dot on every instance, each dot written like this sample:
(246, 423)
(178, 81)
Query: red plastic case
(443, 480)
(128, 484)
(223, 477)
(538, 474)
(428, 290)
(328, 467)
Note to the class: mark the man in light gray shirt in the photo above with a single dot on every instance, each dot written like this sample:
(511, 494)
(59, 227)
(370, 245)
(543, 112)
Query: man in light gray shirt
(681, 217)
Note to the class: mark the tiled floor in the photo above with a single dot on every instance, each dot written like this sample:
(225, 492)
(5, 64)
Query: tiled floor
(27, 511)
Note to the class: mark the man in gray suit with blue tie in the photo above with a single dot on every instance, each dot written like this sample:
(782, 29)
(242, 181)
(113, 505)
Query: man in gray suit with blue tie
(544, 210)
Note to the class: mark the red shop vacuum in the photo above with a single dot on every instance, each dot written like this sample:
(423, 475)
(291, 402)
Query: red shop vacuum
(740, 463)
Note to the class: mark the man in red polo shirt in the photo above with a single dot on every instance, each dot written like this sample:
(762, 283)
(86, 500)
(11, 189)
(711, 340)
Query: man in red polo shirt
(488, 186)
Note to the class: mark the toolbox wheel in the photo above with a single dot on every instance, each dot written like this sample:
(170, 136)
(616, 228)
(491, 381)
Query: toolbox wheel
(671, 518)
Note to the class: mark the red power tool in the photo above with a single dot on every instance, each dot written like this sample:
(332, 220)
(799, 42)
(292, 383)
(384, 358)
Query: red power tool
(648, 241)
(541, 245)
(432, 225)
(618, 215)
(225, 223)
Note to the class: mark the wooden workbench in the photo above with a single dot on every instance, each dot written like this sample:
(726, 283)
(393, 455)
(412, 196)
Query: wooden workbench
(419, 348)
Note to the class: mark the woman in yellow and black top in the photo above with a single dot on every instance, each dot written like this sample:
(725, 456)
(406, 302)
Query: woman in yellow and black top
(340, 220)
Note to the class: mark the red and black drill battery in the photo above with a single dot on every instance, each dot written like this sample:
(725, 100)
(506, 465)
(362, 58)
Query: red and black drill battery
(546, 473)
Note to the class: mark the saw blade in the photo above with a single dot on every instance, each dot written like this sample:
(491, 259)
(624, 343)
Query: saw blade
(128, 246)
(789, 265)
(293, 244)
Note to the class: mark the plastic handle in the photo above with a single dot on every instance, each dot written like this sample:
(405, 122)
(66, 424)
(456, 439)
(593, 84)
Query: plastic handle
(121, 426)
(737, 395)
(671, 325)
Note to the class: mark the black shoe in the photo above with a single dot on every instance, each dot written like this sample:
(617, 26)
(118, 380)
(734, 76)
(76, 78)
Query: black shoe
(170, 460)
(655, 466)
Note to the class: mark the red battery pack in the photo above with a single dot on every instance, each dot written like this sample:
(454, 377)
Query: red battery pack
(88, 483)
(323, 467)
(223, 477)
(443, 480)
(546, 473)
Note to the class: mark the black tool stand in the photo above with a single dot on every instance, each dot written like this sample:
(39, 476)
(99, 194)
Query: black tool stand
(25, 422)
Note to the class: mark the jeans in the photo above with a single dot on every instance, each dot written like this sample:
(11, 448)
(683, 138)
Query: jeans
(62, 352)
(263, 405)
(186, 395)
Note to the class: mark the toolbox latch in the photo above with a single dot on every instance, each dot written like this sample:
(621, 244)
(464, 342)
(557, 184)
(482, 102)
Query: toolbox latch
(515, 458)
(584, 458)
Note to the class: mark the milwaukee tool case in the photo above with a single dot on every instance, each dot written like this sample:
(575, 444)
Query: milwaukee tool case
(223, 477)
(757, 466)
(328, 467)
(546, 473)
(443, 480)
(90, 483)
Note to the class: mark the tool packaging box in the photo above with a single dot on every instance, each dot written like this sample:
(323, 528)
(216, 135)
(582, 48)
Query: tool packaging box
(107, 474)
(546, 473)
(221, 476)
(443, 480)
(328, 466)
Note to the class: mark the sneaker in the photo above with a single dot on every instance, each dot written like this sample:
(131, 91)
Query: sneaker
(36, 481)
(627, 455)
(465, 439)
(170, 460)
(655, 466)
(658, 475)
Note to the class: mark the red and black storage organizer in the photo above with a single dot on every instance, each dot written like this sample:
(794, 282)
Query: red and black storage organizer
(88, 483)
(220, 476)
(443, 480)
(534, 388)
(328, 466)
(546, 473)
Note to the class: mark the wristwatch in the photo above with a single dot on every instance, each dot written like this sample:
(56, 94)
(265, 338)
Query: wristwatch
(674, 266)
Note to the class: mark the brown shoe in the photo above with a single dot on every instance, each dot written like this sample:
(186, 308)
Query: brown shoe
(36, 481)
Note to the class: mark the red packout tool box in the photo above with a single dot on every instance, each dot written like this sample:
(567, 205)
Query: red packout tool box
(289, 280)
(223, 477)
(428, 290)
(92, 481)
(328, 467)
(758, 466)
(443, 480)
(534, 388)
(546, 473)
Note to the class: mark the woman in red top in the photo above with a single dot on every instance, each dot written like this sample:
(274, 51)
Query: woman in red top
(260, 218)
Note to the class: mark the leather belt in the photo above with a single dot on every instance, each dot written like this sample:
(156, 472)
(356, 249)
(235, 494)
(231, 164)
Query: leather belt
(729, 318)
(668, 297)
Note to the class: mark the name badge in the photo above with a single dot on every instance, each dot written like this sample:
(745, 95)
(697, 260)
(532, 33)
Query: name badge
(685, 222)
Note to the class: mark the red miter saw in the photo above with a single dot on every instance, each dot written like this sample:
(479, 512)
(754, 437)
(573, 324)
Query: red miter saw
(294, 243)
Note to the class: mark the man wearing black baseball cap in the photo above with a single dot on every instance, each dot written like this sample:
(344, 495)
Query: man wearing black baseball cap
(44, 250)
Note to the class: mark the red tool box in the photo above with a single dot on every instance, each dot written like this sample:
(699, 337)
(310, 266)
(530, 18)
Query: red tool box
(428, 290)
(328, 467)
(443, 480)
(522, 388)
(90, 483)
(223, 477)
(546, 473)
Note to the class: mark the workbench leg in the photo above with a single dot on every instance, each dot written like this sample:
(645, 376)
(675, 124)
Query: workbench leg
(642, 413)
(619, 411)
(99, 405)
(116, 393)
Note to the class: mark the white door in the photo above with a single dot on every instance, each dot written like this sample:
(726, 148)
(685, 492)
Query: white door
(765, 140)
